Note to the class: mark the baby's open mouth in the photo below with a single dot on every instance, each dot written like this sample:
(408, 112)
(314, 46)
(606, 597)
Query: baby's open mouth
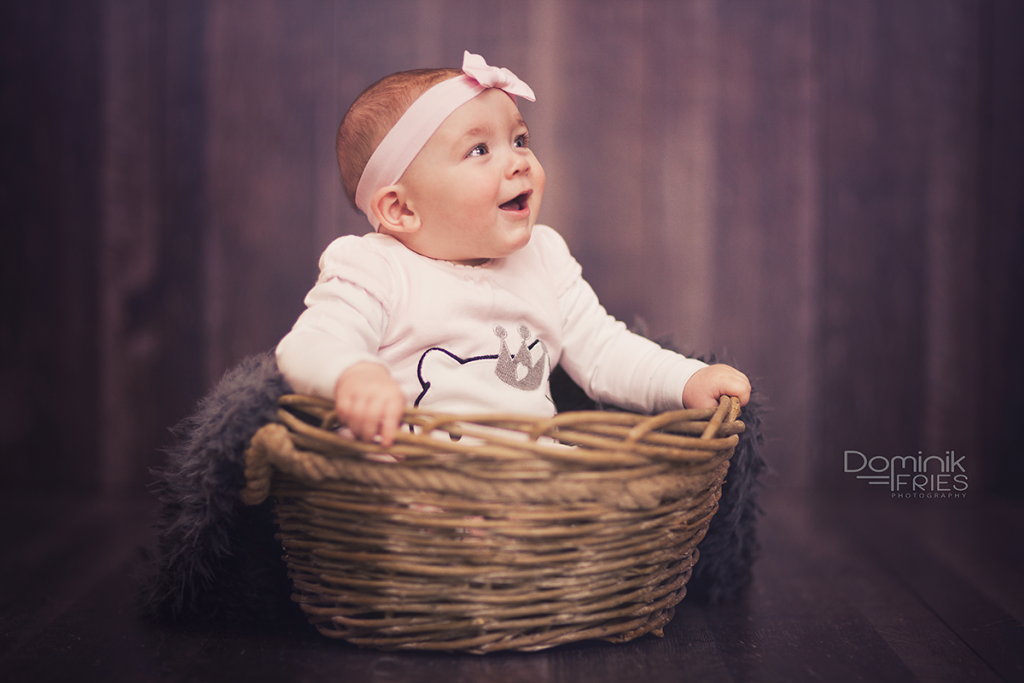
(517, 203)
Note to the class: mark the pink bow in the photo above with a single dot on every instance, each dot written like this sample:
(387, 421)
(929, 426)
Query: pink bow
(488, 76)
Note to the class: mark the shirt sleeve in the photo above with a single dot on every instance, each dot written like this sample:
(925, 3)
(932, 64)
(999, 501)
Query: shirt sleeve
(343, 325)
(614, 365)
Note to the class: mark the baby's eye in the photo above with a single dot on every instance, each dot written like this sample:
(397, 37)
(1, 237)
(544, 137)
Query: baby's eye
(478, 151)
(522, 142)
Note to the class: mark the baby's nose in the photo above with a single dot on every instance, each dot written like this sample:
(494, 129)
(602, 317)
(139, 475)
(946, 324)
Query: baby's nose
(520, 164)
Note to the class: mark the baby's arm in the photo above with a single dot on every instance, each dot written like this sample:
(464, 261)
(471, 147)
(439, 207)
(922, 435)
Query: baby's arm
(707, 385)
(617, 366)
(331, 352)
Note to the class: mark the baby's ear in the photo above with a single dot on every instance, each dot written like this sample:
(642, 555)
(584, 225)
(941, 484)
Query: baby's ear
(393, 211)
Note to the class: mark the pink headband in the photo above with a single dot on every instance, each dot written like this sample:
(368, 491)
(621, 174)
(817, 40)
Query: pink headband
(405, 140)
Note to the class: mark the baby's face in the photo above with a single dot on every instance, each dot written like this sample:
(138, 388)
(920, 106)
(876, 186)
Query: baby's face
(476, 185)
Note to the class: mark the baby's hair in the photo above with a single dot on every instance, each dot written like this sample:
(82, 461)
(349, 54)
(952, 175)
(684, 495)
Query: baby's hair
(374, 113)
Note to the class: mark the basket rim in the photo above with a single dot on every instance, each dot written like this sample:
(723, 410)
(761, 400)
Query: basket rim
(604, 431)
(579, 449)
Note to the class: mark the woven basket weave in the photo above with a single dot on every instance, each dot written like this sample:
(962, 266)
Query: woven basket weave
(492, 532)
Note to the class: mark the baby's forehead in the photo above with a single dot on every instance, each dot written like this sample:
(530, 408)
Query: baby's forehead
(488, 112)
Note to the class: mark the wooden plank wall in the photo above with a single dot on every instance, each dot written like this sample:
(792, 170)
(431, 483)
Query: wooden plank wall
(825, 194)
(49, 202)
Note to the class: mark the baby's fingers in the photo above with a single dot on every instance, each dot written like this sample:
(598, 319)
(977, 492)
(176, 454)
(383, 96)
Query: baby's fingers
(370, 402)
(391, 416)
(707, 385)
(737, 385)
(360, 418)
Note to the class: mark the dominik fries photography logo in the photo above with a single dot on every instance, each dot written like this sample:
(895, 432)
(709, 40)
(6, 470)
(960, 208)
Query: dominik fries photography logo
(911, 476)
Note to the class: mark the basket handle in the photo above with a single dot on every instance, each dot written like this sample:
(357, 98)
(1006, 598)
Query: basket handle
(271, 446)
(728, 409)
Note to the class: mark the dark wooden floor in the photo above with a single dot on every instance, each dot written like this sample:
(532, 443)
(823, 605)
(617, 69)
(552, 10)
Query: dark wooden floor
(859, 588)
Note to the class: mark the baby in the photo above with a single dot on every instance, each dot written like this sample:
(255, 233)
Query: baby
(460, 302)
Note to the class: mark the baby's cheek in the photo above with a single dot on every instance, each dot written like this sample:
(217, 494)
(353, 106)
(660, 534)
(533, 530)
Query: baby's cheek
(485, 203)
(538, 176)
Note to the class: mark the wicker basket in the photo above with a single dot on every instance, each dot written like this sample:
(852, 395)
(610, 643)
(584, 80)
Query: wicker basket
(494, 532)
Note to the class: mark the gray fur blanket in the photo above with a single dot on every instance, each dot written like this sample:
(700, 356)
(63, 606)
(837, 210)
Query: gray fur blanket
(217, 558)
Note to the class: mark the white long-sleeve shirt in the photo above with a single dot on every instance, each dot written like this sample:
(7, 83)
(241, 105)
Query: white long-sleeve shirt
(473, 339)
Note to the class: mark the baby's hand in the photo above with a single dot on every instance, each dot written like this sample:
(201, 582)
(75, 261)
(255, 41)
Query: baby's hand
(709, 384)
(370, 402)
